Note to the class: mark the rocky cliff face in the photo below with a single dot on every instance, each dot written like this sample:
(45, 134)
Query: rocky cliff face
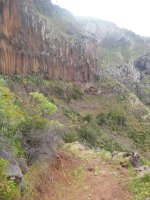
(37, 37)
(123, 55)
(33, 41)
(143, 65)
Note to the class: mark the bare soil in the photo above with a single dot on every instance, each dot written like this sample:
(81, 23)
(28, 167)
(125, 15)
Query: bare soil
(98, 180)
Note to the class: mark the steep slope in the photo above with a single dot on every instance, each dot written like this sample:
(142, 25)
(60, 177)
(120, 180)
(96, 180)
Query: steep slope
(143, 65)
(40, 41)
(123, 55)
(38, 37)
(124, 44)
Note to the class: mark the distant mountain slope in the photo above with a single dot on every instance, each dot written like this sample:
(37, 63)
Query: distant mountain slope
(123, 55)
(124, 44)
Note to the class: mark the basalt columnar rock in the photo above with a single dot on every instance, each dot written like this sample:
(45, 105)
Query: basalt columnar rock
(38, 37)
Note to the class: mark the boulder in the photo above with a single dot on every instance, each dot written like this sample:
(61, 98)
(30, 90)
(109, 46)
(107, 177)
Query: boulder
(14, 172)
(40, 146)
(134, 159)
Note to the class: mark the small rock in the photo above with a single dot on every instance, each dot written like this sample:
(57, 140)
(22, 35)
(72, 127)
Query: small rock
(114, 173)
(91, 169)
(142, 170)
(134, 160)
(124, 164)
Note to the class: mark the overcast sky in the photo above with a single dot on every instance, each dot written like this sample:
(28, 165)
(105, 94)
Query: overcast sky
(131, 14)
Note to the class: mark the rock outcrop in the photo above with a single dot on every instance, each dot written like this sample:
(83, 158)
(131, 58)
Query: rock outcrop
(33, 41)
(13, 169)
(143, 65)
(123, 55)
(37, 37)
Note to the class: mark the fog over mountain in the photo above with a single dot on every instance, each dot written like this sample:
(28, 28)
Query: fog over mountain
(133, 15)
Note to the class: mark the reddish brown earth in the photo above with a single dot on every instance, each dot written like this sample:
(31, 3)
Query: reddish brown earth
(99, 180)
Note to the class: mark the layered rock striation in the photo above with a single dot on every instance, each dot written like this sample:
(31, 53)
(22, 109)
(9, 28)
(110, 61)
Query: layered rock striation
(34, 42)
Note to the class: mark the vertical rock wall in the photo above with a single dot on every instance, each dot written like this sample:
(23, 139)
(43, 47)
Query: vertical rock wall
(31, 43)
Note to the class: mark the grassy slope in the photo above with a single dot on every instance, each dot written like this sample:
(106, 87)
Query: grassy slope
(111, 120)
(81, 111)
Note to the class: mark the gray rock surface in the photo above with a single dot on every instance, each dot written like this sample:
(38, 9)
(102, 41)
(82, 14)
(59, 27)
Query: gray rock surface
(142, 170)
(23, 165)
(40, 146)
(13, 169)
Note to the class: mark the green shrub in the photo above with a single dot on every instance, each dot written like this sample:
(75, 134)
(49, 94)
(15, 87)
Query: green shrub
(34, 122)
(107, 143)
(8, 189)
(72, 115)
(112, 119)
(88, 118)
(11, 115)
(90, 134)
(101, 118)
(59, 90)
(35, 79)
(140, 187)
(70, 137)
(75, 93)
(45, 105)
(2, 81)
(141, 138)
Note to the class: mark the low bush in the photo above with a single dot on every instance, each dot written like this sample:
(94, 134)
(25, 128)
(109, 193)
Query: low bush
(107, 143)
(88, 118)
(8, 188)
(140, 187)
(44, 105)
(141, 138)
(111, 119)
(70, 137)
(75, 116)
(89, 133)
(34, 122)
(76, 93)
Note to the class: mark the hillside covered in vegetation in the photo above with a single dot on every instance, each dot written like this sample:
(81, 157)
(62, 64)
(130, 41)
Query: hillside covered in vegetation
(74, 106)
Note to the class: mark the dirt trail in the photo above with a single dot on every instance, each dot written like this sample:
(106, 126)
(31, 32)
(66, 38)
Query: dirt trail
(103, 180)
(109, 183)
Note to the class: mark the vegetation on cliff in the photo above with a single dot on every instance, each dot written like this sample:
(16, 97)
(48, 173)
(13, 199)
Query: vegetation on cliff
(68, 92)
(96, 120)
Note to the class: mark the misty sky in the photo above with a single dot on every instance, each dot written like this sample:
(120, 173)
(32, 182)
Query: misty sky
(131, 14)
